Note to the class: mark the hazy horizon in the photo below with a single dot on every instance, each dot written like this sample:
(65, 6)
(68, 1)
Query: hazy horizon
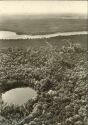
(43, 7)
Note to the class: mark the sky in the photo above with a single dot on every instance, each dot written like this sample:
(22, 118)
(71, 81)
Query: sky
(42, 7)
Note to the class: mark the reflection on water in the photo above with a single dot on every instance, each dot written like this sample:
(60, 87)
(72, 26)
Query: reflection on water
(18, 96)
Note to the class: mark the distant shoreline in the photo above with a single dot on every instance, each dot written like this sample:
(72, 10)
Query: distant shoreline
(8, 35)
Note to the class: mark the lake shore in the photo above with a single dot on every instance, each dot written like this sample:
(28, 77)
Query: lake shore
(6, 35)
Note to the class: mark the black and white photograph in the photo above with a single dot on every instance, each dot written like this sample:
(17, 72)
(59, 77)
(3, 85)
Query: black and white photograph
(43, 62)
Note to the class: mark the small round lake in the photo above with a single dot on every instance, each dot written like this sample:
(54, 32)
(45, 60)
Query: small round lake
(18, 96)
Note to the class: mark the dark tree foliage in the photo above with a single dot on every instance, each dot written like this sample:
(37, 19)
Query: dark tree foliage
(60, 78)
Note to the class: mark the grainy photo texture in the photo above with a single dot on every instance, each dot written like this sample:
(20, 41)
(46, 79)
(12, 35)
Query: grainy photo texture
(43, 62)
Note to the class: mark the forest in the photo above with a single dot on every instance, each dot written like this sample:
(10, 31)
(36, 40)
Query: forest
(60, 78)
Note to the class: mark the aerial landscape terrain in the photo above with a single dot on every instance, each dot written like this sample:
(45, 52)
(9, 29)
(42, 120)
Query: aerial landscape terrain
(43, 69)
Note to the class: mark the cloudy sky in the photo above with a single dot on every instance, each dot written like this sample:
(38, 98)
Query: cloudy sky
(42, 7)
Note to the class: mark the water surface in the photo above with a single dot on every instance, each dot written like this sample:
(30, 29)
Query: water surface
(19, 96)
(13, 35)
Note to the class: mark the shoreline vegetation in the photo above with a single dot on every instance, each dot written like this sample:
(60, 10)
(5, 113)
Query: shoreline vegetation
(60, 78)
(8, 35)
